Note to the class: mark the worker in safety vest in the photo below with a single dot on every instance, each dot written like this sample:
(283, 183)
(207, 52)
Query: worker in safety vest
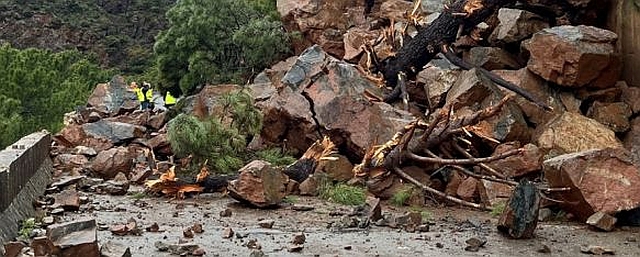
(169, 100)
(139, 94)
(147, 92)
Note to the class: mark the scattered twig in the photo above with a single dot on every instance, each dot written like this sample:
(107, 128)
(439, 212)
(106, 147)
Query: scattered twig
(555, 189)
(551, 200)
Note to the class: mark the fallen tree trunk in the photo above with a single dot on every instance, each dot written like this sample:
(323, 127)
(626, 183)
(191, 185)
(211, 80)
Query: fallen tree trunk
(170, 185)
(413, 56)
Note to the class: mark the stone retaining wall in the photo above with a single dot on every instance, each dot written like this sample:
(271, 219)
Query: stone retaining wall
(25, 172)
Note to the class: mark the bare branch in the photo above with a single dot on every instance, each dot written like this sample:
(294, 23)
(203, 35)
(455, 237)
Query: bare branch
(448, 53)
(482, 165)
(438, 193)
(464, 161)
(442, 132)
(478, 176)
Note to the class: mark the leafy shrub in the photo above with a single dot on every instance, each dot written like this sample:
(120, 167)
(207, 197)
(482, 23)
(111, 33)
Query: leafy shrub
(27, 227)
(220, 141)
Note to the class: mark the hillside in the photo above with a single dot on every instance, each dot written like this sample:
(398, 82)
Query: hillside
(120, 32)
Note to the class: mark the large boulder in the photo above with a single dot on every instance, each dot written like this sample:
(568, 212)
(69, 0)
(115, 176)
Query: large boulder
(518, 165)
(395, 9)
(575, 56)
(274, 74)
(67, 162)
(516, 25)
(74, 135)
(113, 97)
(354, 39)
(432, 6)
(288, 119)
(474, 91)
(631, 96)
(75, 238)
(107, 164)
(157, 121)
(321, 22)
(207, 101)
(539, 88)
(135, 118)
(437, 78)
(572, 132)
(160, 144)
(259, 184)
(323, 94)
(117, 132)
(601, 180)
(613, 115)
(336, 167)
(492, 58)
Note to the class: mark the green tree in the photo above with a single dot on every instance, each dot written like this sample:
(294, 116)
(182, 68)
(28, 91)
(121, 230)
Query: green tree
(218, 41)
(39, 86)
(220, 140)
(10, 120)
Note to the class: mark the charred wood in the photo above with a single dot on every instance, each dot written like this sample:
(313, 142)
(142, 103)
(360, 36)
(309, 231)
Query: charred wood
(417, 52)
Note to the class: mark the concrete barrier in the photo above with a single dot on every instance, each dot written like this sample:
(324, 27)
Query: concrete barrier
(25, 172)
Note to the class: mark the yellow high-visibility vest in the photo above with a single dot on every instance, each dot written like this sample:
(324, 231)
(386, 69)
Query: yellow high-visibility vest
(139, 94)
(169, 99)
(150, 94)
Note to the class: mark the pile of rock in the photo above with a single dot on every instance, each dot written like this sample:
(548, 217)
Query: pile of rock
(579, 145)
(587, 143)
(109, 143)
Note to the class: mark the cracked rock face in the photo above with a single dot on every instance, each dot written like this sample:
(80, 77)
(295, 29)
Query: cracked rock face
(325, 95)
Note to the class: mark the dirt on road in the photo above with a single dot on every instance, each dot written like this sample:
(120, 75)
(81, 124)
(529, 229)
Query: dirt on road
(449, 229)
